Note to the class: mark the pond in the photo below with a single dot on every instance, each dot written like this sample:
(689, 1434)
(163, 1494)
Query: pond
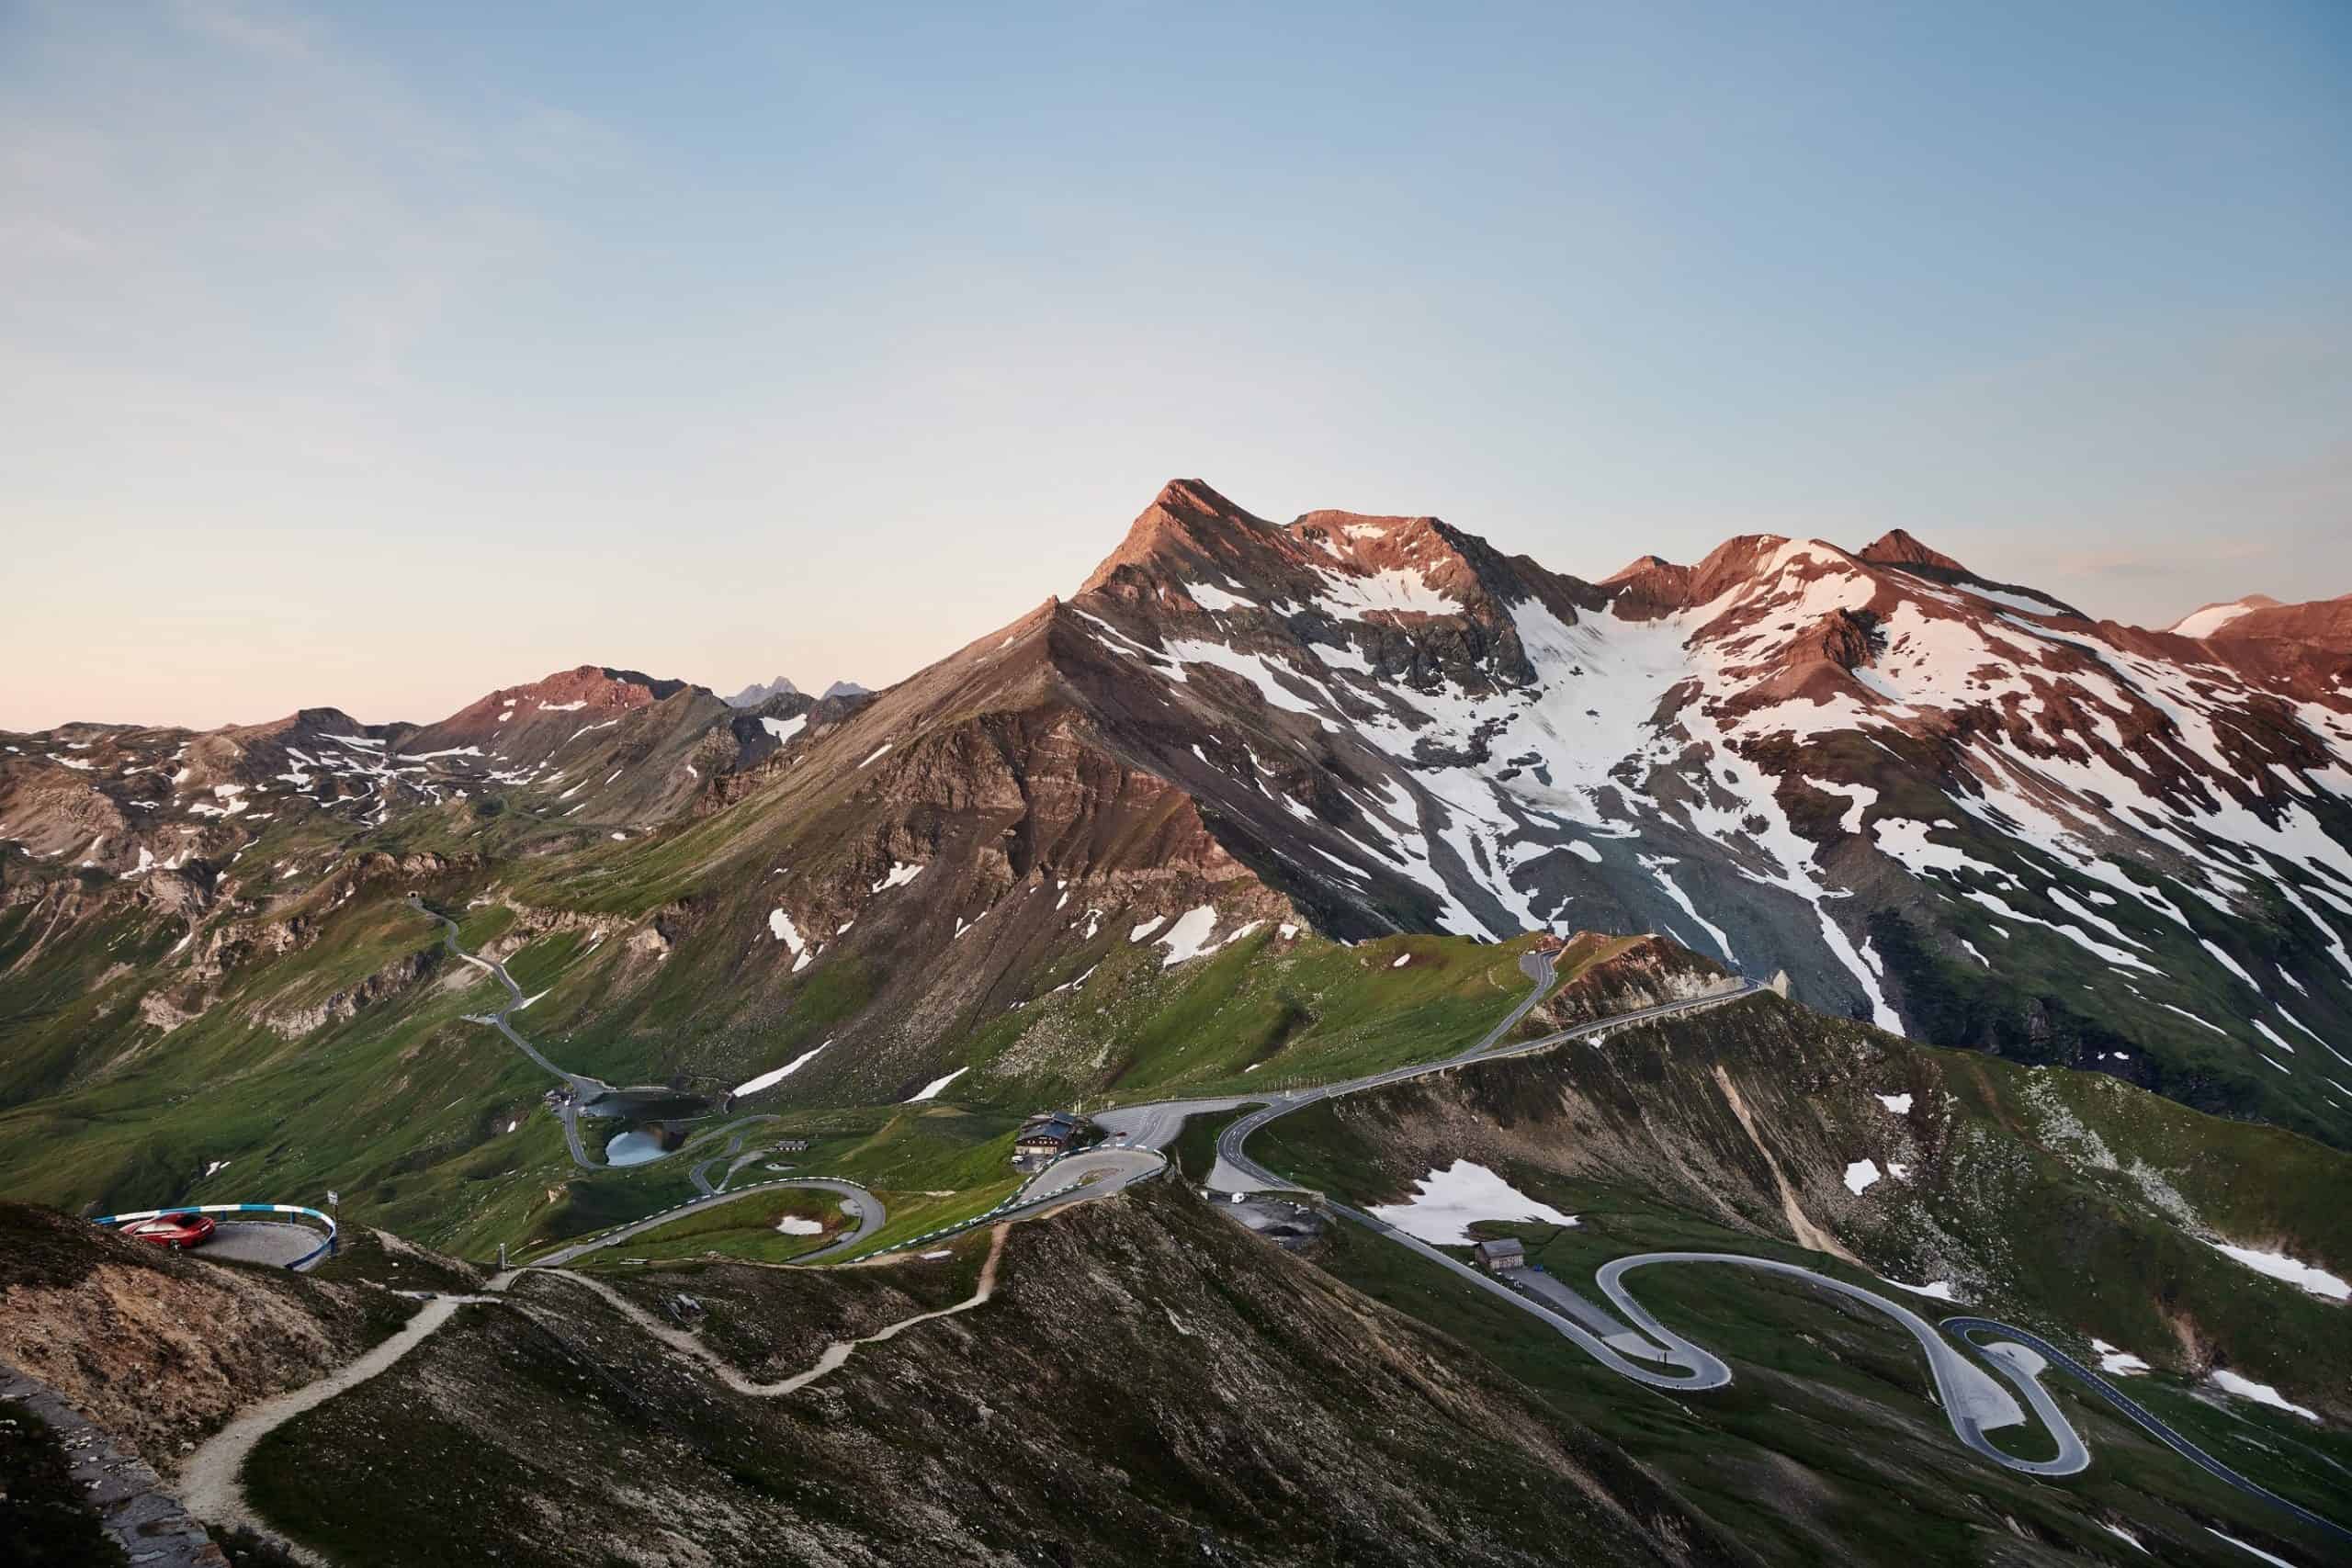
(634, 1147)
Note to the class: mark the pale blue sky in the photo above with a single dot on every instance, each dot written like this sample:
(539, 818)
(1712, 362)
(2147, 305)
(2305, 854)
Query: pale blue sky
(378, 356)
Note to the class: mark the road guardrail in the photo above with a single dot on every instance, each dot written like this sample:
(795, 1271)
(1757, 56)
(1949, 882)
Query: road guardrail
(303, 1262)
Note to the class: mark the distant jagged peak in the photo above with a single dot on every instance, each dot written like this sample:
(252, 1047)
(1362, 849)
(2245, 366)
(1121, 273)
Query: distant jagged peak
(1899, 551)
(1349, 533)
(1897, 547)
(1740, 569)
(1195, 548)
(330, 720)
(845, 689)
(759, 691)
(2264, 629)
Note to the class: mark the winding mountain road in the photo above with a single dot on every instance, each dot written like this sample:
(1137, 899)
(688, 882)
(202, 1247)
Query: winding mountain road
(211, 1484)
(1973, 1401)
(1236, 1172)
(1965, 1328)
(1629, 1340)
(579, 1087)
(835, 1355)
(1632, 1342)
(855, 1200)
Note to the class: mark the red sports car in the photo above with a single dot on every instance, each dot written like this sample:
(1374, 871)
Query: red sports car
(175, 1231)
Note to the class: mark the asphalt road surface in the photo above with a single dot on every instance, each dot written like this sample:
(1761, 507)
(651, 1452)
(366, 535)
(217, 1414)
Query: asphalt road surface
(1098, 1173)
(1966, 1328)
(1973, 1401)
(260, 1241)
(855, 1200)
(1237, 1172)
(580, 1088)
(700, 1173)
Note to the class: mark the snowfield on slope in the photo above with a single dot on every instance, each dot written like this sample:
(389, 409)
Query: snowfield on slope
(1446, 1203)
(2279, 1265)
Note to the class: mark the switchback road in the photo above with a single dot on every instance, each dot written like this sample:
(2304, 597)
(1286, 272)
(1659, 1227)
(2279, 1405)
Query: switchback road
(1966, 1328)
(855, 1200)
(579, 1087)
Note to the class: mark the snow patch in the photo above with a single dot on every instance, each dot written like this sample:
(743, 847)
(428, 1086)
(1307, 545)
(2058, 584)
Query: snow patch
(781, 925)
(2118, 1362)
(2279, 1265)
(935, 1085)
(1446, 1203)
(2267, 1556)
(2231, 1382)
(1189, 937)
(2204, 623)
(2119, 1533)
(775, 1076)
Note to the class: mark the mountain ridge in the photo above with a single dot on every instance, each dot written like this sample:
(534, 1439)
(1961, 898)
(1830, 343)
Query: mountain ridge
(1936, 802)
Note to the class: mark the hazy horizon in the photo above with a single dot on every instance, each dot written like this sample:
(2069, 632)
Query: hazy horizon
(456, 694)
(376, 359)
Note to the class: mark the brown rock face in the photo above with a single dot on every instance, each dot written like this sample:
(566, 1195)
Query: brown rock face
(1789, 756)
(1933, 799)
(2325, 624)
(1896, 547)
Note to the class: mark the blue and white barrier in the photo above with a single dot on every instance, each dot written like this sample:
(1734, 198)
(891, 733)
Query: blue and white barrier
(303, 1262)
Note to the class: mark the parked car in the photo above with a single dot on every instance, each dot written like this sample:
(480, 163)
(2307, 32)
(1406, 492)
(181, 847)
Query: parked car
(175, 1231)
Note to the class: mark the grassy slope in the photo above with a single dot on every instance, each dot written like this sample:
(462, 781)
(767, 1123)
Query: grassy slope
(2068, 1198)
(746, 1229)
(1828, 1445)
(2052, 1166)
(406, 1108)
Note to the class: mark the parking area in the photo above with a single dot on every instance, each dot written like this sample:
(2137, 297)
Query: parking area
(260, 1241)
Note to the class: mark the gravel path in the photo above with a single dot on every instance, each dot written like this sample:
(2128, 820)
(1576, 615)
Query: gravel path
(835, 1356)
(210, 1484)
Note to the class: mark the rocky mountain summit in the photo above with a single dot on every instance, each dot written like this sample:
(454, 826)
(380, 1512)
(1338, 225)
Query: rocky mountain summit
(1939, 801)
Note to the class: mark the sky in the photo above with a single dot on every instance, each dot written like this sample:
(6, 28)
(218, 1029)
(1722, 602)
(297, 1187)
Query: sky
(376, 356)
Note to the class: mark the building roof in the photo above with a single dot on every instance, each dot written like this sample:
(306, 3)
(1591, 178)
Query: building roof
(1497, 1248)
(1054, 1124)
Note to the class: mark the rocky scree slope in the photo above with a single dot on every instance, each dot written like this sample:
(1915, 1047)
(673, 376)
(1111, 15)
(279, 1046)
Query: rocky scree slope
(161, 1350)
